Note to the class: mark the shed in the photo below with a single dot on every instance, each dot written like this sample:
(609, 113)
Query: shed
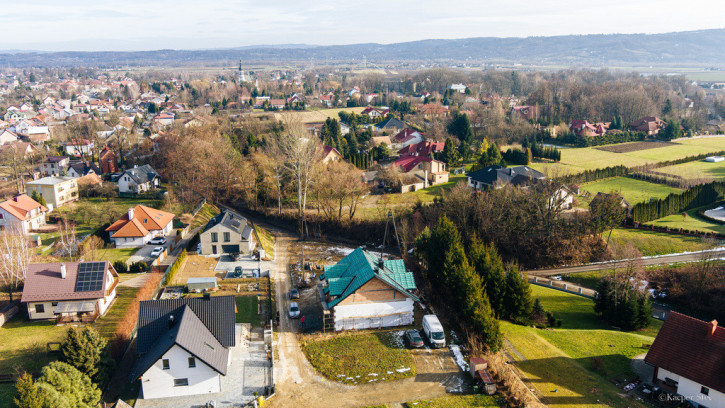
(485, 378)
(200, 284)
(477, 363)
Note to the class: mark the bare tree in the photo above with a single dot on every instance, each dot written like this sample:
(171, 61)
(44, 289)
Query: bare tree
(300, 152)
(15, 256)
(67, 242)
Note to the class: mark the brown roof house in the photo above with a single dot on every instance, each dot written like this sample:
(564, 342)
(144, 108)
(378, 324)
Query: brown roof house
(688, 356)
(648, 124)
(70, 291)
(139, 225)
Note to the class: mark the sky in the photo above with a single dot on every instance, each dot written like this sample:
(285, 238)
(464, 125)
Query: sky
(50, 25)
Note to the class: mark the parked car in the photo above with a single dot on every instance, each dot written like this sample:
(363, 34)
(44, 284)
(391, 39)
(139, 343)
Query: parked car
(294, 294)
(238, 272)
(157, 251)
(158, 241)
(294, 310)
(433, 330)
(412, 338)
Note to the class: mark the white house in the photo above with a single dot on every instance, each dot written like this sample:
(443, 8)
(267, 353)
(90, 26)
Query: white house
(460, 88)
(139, 225)
(688, 356)
(227, 233)
(33, 129)
(70, 292)
(7, 136)
(22, 212)
(183, 345)
(78, 147)
(138, 180)
(363, 291)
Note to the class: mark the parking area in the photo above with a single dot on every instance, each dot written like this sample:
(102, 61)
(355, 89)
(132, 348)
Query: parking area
(143, 254)
(247, 263)
(248, 373)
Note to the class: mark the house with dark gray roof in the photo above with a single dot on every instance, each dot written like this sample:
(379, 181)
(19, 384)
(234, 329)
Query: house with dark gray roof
(499, 176)
(364, 291)
(138, 180)
(390, 124)
(183, 345)
(227, 233)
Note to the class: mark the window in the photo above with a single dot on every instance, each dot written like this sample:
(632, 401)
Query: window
(54, 304)
(192, 362)
(704, 391)
(181, 382)
(165, 364)
(227, 237)
(39, 308)
(214, 237)
(213, 249)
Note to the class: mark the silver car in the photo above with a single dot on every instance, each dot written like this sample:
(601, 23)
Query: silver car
(294, 310)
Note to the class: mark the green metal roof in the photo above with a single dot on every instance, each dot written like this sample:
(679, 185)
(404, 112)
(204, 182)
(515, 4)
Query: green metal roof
(356, 269)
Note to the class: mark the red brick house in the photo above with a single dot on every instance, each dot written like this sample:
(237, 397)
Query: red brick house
(108, 161)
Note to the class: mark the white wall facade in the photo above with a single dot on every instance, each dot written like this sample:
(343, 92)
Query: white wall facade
(691, 390)
(373, 315)
(159, 383)
(131, 242)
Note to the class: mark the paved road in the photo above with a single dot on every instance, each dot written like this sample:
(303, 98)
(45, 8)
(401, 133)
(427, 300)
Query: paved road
(645, 261)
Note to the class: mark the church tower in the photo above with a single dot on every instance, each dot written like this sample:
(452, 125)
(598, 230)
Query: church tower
(240, 74)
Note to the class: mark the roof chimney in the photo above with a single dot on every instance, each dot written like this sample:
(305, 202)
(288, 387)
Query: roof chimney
(62, 271)
(172, 322)
(712, 328)
(207, 296)
(130, 213)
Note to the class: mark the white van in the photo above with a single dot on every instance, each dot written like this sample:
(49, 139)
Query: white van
(434, 331)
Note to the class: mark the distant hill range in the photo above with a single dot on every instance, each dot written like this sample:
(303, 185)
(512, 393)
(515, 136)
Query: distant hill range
(693, 48)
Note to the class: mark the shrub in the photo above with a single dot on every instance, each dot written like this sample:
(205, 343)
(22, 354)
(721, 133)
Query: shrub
(120, 266)
(175, 268)
(138, 267)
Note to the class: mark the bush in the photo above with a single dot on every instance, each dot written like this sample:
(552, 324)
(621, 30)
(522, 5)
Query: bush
(120, 266)
(175, 268)
(138, 267)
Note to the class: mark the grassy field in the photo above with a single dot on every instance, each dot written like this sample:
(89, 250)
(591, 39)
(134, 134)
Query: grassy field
(651, 243)
(341, 357)
(696, 170)
(634, 191)
(455, 401)
(691, 222)
(316, 116)
(573, 365)
(266, 240)
(580, 159)
(247, 310)
(206, 212)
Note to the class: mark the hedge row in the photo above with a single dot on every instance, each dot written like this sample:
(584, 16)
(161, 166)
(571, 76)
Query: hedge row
(681, 231)
(594, 175)
(694, 197)
(175, 268)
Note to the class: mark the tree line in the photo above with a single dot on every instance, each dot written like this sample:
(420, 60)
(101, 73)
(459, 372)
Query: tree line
(676, 203)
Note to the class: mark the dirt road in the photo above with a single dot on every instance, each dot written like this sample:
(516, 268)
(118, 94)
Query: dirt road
(299, 385)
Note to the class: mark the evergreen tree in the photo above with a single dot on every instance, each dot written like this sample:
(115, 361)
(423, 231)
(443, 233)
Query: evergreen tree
(27, 394)
(38, 198)
(667, 109)
(63, 386)
(489, 265)
(460, 127)
(491, 156)
(449, 155)
(86, 350)
(517, 300)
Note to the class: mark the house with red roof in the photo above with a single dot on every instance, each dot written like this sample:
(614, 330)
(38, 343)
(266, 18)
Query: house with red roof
(69, 292)
(526, 112)
(375, 112)
(327, 100)
(108, 161)
(139, 225)
(22, 212)
(585, 129)
(330, 154)
(407, 137)
(648, 124)
(432, 110)
(424, 148)
(688, 356)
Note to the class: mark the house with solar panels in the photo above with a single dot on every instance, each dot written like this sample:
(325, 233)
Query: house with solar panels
(70, 291)
(364, 291)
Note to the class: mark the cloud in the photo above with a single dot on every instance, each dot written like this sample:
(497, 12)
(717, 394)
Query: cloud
(137, 24)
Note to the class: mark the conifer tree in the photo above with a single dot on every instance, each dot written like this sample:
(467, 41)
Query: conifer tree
(27, 393)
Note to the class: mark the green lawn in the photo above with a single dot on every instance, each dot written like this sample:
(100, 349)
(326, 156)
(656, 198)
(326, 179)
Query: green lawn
(632, 190)
(359, 358)
(106, 325)
(575, 363)
(696, 169)
(456, 401)
(206, 212)
(580, 159)
(427, 195)
(651, 243)
(691, 222)
(247, 310)
(266, 240)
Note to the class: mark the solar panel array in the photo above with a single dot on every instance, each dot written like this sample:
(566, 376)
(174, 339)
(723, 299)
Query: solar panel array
(90, 276)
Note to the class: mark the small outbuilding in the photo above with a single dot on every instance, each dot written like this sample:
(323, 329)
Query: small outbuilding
(478, 368)
(714, 159)
(201, 284)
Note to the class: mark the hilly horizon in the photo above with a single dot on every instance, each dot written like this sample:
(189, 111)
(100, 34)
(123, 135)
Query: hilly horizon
(701, 48)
